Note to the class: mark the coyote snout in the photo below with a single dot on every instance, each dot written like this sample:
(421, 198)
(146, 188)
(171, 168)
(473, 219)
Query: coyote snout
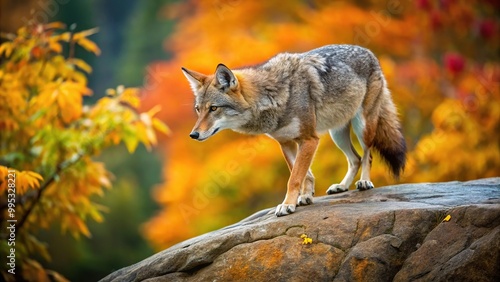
(197, 136)
(292, 98)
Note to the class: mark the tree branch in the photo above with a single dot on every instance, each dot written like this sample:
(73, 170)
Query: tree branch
(43, 187)
(71, 52)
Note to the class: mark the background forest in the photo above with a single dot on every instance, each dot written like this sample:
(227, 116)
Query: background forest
(440, 58)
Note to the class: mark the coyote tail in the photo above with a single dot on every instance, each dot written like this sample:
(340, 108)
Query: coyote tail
(389, 140)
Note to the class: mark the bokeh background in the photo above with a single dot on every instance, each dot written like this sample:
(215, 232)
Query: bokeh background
(440, 58)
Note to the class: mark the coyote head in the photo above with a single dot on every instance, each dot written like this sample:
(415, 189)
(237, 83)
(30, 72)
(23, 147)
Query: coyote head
(218, 102)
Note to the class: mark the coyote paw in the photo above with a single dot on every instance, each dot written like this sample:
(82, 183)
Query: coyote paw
(363, 185)
(284, 209)
(305, 200)
(336, 188)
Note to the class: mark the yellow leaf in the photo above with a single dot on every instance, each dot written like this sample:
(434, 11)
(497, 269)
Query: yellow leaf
(33, 179)
(154, 110)
(85, 33)
(82, 65)
(150, 134)
(69, 100)
(131, 143)
(96, 215)
(158, 125)
(129, 95)
(35, 175)
(447, 218)
(89, 45)
(62, 37)
(6, 48)
(143, 135)
(110, 92)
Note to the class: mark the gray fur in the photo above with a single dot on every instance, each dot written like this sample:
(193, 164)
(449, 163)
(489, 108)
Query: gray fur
(329, 79)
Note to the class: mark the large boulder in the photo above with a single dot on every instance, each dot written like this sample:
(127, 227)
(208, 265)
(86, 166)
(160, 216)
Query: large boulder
(394, 233)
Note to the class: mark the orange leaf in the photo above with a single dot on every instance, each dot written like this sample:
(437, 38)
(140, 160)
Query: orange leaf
(56, 47)
(22, 183)
(82, 227)
(3, 172)
(55, 25)
(3, 178)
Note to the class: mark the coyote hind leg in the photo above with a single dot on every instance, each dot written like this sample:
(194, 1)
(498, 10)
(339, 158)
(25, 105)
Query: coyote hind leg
(364, 183)
(342, 139)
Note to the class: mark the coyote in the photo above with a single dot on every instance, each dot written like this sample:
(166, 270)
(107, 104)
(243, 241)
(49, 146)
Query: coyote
(292, 98)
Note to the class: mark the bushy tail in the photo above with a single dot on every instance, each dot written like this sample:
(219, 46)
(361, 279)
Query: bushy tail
(389, 140)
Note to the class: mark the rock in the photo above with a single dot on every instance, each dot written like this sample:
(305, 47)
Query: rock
(465, 249)
(394, 233)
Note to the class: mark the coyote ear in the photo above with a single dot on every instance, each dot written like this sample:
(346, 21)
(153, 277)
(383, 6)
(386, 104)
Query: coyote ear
(225, 77)
(195, 79)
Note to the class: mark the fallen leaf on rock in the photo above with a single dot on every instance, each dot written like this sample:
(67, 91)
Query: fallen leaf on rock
(447, 218)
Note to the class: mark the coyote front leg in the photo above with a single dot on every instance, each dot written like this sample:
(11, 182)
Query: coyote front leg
(305, 155)
(289, 149)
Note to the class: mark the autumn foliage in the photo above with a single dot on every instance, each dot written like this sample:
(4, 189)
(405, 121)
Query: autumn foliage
(48, 138)
(440, 59)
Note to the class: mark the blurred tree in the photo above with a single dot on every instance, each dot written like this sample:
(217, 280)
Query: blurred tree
(112, 17)
(130, 36)
(117, 243)
(77, 13)
(143, 41)
(14, 13)
(464, 140)
(440, 59)
(48, 139)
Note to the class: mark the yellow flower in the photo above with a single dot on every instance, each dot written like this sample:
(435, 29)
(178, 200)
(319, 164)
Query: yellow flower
(306, 239)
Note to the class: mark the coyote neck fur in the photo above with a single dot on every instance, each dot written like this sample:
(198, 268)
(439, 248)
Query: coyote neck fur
(264, 108)
(267, 97)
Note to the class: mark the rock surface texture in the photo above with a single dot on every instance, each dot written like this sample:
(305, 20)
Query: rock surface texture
(394, 233)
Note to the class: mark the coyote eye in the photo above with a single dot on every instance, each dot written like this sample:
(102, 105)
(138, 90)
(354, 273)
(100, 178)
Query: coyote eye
(213, 108)
(197, 109)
